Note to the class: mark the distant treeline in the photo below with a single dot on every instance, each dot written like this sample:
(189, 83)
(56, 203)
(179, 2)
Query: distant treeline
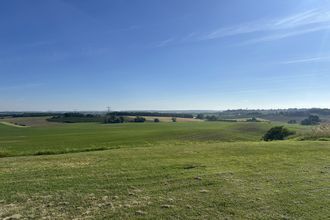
(76, 117)
(216, 118)
(108, 119)
(156, 114)
(28, 114)
(306, 112)
(284, 112)
(111, 119)
(270, 114)
(293, 116)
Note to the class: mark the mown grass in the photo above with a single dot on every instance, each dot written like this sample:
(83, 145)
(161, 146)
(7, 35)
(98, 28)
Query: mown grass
(207, 170)
(233, 180)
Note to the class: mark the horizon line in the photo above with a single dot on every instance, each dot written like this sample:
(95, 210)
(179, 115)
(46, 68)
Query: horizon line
(159, 110)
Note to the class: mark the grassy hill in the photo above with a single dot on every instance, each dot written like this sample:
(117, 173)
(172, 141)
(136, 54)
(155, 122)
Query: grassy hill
(251, 180)
(184, 170)
(77, 137)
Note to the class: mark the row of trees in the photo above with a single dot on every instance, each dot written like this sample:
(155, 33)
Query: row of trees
(75, 117)
(159, 114)
(311, 120)
(121, 119)
(215, 118)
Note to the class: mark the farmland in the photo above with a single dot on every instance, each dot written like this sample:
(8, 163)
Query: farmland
(75, 137)
(203, 110)
(196, 170)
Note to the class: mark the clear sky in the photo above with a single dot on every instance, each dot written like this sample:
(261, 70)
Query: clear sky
(164, 54)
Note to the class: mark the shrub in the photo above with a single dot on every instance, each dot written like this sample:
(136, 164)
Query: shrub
(73, 114)
(173, 119)
(156, 120)
(211, 118)
(311, 120)
(277, 133)
(114, 119)
(292, 122)
(200, 116)
(139, 119)
(253, 119)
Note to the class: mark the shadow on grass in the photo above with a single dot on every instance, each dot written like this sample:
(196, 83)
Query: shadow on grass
(73, 151)
(68, 151)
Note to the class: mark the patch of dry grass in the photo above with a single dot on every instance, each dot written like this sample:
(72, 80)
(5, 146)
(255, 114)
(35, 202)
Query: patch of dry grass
(320, 132)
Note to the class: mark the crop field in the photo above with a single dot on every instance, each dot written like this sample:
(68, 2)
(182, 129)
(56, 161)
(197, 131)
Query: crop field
(183, 170)
(28, 121)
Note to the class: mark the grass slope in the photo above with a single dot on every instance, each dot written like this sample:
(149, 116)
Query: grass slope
(207, 170)
(232, 180)
(92, 136)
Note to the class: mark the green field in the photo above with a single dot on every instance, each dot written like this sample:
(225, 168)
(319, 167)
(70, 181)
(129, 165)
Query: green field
(78, 137)
(188, 170)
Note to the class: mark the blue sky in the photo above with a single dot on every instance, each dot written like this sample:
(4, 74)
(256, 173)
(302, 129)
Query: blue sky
(173, 54)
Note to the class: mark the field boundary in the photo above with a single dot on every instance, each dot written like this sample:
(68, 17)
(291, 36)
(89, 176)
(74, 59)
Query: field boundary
(13, 125)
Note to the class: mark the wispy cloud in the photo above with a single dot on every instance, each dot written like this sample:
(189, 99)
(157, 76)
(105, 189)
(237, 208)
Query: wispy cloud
(308, 60)
(275, 29)
(291, 33)
(235, 30)
(302, 18)
(268, 30)
(296, 24)
(189, 37)
(164, 43)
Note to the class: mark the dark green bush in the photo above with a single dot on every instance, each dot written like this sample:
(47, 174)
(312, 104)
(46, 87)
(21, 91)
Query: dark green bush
(114, 119)
(139, 119)
(200, 116)
(311, 120)
(277, 133)
(253, 119)
(211, 118)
